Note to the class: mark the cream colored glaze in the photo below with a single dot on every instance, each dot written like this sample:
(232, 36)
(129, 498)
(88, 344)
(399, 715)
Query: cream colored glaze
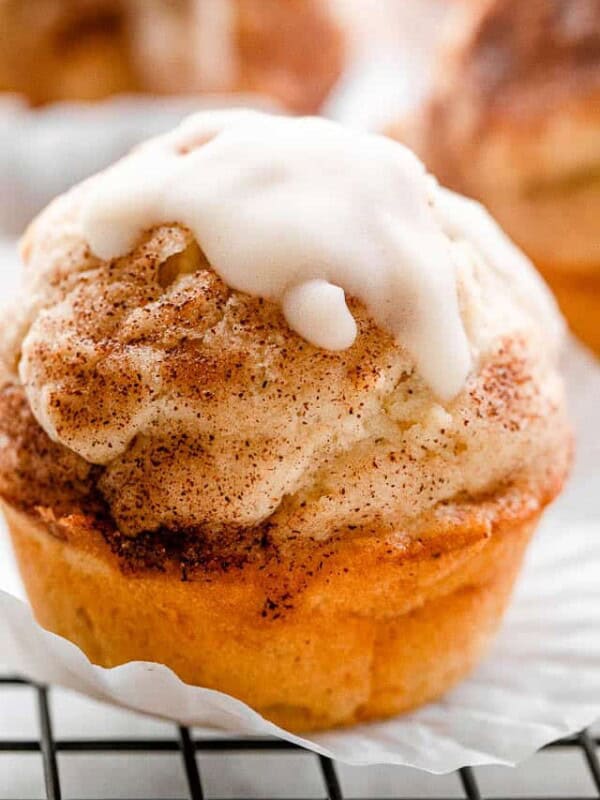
(304, 211)
(278, 203)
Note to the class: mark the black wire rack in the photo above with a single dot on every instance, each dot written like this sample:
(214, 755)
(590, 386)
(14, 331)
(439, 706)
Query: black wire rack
(188, 746)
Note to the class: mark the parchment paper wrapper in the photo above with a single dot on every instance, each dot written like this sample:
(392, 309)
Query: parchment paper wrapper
(540, 682)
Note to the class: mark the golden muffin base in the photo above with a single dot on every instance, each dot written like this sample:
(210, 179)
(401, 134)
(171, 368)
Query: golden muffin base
(362, 628)
(579, 299)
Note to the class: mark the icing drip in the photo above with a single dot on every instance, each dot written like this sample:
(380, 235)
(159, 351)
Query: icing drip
(302, 212)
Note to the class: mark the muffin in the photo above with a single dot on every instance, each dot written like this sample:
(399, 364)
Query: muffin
(514, 121)
(290, 50)
(279, 412)
(52, 50)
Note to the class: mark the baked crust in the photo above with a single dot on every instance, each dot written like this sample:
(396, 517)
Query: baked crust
(339, 632)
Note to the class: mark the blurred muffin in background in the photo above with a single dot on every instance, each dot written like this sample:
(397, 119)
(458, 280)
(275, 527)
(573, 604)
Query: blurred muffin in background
(514, 120)
(291, 50)
(51, 50)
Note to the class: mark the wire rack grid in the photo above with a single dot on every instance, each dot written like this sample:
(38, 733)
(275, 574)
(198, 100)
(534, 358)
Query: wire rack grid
(188, 746)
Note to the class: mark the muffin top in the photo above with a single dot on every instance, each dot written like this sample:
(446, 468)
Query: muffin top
(258, 321)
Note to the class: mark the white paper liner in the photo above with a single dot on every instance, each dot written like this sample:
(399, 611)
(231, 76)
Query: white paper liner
(542, 679)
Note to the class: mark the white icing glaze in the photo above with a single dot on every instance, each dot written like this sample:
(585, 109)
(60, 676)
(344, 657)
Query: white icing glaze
(317, 310)
(299, 211)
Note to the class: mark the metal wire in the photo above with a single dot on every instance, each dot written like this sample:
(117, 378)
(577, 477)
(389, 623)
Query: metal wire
(590, 750)
(47, 746)
(189, 762)
(467, 777)
(187, 746)
(334, 790)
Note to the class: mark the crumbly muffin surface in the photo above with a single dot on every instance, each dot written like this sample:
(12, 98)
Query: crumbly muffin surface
(183, 404)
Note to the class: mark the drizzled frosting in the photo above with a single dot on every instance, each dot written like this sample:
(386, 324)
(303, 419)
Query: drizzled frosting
(305, 213)
(296, 211)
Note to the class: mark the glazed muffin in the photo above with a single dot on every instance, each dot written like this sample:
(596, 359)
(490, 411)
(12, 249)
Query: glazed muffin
(279, 412)
(514, 120)
(289, 50)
